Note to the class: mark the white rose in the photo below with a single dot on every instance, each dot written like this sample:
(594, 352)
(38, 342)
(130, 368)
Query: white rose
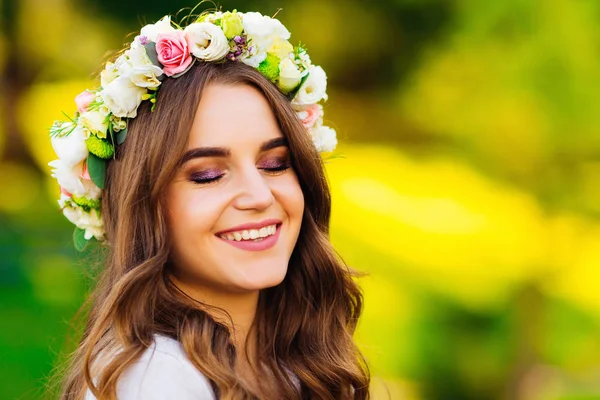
(324, 138)
(71, 149)
(122, 97)
(150, 31)
(206, 41)
(313, 89)
(69, 178)
(289, 75)
(95, 121)
(263, 29)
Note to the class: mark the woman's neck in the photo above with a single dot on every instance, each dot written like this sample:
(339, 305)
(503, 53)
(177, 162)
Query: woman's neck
(241, 312)
(240, 309)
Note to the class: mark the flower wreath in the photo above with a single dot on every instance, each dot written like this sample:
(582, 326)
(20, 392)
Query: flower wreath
(85, 142)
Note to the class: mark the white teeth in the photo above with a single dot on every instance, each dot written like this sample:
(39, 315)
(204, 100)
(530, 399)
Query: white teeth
(250, 234)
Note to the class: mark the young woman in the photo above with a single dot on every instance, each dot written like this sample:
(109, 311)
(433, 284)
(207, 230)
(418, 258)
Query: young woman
(196, 164)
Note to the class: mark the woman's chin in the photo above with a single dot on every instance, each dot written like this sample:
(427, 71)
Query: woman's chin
(262, 279)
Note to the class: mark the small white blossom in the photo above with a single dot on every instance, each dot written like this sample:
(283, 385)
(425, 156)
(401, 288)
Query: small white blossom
(88, 221)
(118, 124)
(254, 57)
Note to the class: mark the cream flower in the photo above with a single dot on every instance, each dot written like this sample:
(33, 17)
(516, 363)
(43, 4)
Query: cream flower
(71, 148)
(206, 41)
(108, 74)
(122, 97)
(324, 138)
(289, 75)
(314, 88)
(281, 48)
(150, 31)
(139, 69)
(95, 121)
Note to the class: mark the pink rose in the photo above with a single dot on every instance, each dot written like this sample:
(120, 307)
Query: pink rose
(83, 100)
(310, 115)
(173, 53)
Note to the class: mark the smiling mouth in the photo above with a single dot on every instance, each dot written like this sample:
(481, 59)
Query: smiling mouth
(250, 235)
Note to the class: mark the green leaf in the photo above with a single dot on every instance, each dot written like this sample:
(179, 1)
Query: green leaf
(292, 94)
(79, 239)
(121, 135)
(152, 54)
(97, 169)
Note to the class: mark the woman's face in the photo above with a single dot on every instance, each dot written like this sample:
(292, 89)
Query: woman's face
(235, 207)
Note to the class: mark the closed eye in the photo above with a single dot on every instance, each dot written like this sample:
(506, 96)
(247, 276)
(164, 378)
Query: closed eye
(275, 165)
(206, 176)
(277, 169)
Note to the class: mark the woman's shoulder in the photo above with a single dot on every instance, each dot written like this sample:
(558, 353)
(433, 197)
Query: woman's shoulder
(163, 372)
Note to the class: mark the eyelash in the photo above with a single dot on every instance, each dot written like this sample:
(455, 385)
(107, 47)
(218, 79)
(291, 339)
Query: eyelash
(273, 171)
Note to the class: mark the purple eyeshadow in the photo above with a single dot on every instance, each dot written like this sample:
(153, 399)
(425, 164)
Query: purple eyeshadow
(206, 175)
(274, 163)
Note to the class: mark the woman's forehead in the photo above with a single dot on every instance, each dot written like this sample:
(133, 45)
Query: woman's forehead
(233, 116)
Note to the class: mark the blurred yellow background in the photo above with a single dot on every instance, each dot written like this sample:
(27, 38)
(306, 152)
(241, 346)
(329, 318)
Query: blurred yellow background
(468, 189)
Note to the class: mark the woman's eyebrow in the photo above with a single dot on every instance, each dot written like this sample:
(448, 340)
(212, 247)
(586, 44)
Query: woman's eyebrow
(274, 143)
(224, 152)
(204, 152)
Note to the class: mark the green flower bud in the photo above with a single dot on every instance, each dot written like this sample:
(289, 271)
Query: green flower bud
(100, 148)
(231, 24)
(86, 203)
(270, 67)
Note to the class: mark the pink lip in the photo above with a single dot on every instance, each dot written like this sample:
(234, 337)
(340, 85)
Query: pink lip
(251, 225)
(251, 245)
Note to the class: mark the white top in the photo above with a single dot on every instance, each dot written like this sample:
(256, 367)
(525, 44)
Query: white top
(162, 372)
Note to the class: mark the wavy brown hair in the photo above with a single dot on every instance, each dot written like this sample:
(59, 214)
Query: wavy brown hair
(303, 326)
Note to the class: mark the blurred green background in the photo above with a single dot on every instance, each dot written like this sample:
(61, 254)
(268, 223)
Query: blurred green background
(469, 188)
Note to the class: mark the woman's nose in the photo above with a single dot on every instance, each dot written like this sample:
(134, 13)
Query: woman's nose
(254, 191)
